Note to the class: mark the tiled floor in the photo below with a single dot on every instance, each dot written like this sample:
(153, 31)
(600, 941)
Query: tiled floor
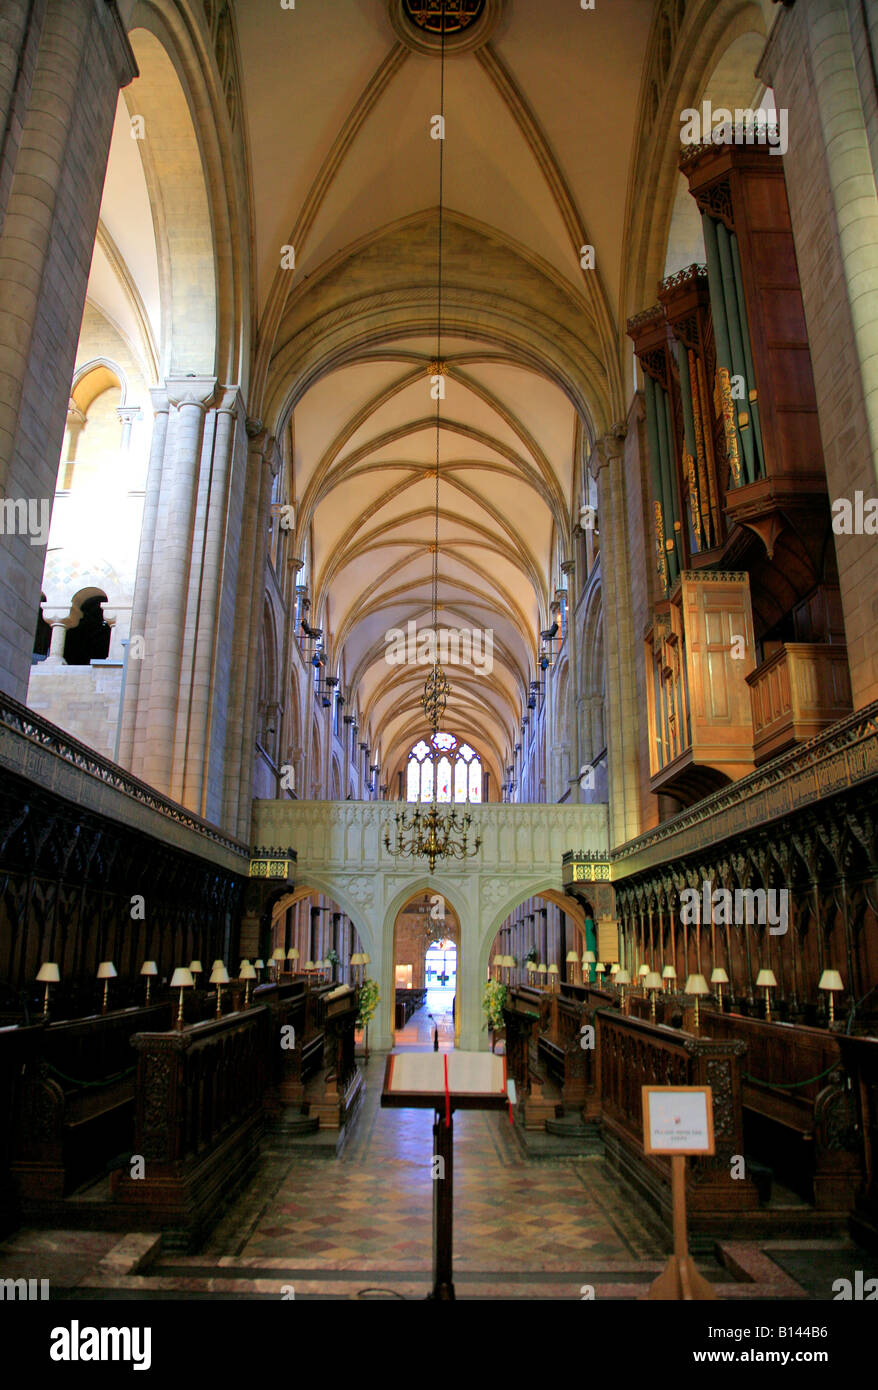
(333, 1228)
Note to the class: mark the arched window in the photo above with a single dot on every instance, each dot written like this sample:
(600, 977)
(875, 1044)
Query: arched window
(90, 639)
(452, 767)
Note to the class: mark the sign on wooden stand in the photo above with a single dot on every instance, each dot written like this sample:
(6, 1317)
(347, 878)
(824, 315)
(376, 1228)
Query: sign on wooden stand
(678, 1120)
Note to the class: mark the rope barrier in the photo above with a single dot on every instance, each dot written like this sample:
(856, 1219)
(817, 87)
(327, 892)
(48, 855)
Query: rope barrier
(104, 1081)
(789, 1085)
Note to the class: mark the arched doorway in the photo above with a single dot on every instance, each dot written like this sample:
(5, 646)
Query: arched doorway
(426, 940)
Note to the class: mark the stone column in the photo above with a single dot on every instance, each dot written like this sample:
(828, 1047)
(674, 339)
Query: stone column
(169, 589)
(61, 66)
(127, 414)
(59, 620)
(137, 653)
(117, 629)
(205, 676)
(623, 716)
(820, 61)
(262, 464)
(568, 569)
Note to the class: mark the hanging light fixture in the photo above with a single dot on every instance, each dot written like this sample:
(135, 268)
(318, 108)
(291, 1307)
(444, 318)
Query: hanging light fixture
(434, 834)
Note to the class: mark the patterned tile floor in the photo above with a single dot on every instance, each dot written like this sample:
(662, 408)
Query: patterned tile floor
(332, 1228)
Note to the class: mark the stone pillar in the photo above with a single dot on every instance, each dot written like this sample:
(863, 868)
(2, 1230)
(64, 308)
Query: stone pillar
(206, 672)
(623, 716)
(62, 63)
(59, 620)
(820, 62)
(137, 653)
(568, 568)
(154, 748)
(262, 464)
(118, 630)
(127, 414)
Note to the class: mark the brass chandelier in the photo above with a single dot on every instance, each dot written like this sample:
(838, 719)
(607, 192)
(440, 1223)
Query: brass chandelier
(434, 834)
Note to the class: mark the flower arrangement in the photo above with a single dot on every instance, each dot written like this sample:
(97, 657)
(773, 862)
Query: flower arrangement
(332, 957)
(533, 954)
(369, 1000)
(493, 999)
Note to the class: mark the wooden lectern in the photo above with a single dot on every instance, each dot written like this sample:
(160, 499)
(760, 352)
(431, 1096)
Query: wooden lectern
(444, 1082)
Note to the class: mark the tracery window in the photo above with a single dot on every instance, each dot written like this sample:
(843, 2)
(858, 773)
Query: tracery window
(452, 767)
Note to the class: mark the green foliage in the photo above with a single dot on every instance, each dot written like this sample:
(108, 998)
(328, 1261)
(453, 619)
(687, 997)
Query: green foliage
(369, 1000)
(493, 999)
(533, 954)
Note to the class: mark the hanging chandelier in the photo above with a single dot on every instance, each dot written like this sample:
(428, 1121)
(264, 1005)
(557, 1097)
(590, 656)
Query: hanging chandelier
(434, 834)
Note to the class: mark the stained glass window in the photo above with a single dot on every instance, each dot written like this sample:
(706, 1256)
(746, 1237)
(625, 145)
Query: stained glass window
(454, 768)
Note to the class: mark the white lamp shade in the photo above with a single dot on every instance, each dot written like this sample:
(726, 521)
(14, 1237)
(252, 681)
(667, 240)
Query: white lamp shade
(248, 972)
(643, 971)
(367, 959)
(106, 970)
(219, 975)
(652, 980)
(181, 978)
(244, 962)
(572, 958)
(600, 969)
(149, 967)
(553, 969)
(277, 955)
(357, 958)
(589, 957)
(696, 984)
(49, 973)
(218, 962)
(623, 977)
(260, 964)
(765, 979)
(669, 973)
(718, 976)
(543, 968)
(830, 979)
(196, 967)
(614, 969)
(292, 953)
(309, 965)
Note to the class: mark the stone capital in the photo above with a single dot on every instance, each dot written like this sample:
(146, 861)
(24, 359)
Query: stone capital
(191, 390)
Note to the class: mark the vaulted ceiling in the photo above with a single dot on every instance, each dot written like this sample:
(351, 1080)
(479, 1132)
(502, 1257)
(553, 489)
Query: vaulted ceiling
(539, 128)
(547, 119)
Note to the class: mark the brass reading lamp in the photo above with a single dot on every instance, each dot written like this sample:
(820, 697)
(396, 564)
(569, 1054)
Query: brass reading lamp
(248, 973)
(149, 969)
(766, 980)
(652, 983)
(219, 976)
(697, 985)
(181, 979)
(49, 975)
(719, 978)
(106, 972)
(830, 981)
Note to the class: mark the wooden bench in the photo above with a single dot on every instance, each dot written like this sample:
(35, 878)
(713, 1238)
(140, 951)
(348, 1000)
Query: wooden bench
(75, 1104)
(800, 1112)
